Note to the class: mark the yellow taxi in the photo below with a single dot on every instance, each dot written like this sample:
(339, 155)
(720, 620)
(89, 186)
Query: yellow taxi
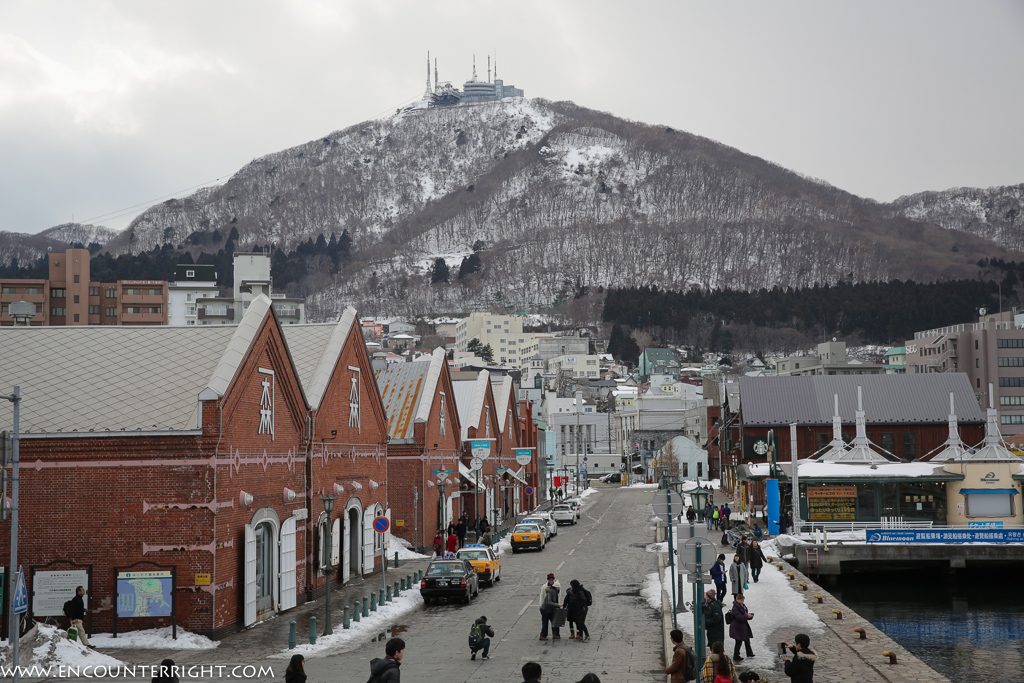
(485, 562)
(528, 536)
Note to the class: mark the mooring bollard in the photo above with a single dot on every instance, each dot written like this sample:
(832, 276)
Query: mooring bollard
(396, 559)
(891, 656)
(820, 599)
(863, 634)
(373, 602)
(312, 630)
(838, 613)
(366, 606)
(387, 593)
(291, 635)
(355, 612)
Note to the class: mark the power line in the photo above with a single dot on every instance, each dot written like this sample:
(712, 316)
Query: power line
(149, 202)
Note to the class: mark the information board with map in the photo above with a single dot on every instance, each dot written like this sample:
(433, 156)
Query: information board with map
(828, 503)
(144, 594)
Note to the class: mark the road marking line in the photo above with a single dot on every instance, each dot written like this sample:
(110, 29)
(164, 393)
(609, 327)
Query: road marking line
(559, 566)
(572, 551)
(523, 611)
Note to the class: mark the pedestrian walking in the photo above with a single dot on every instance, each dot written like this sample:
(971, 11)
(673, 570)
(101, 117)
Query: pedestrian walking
(743, 550)
(739, 628)
(714, 620)
(460, 531)
(480, 635)
(548, 606)
(800, 669)
(438, 545)
(709, 509)
(717, 667)
(715, 516)
(166, 672)
(387, 670)
(295, 673)
(737, 576)
(76, 613)
(453, 542)
(578, 601)
(691, 515)
(531, 672)
(757, 560)
(677, 668)
(726, 522)
(719, 574)
(590, 678)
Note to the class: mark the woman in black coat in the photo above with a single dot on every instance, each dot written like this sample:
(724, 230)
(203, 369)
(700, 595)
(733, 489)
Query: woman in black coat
(296, 671)
(757, 560)
(576, 602)
(739, 628)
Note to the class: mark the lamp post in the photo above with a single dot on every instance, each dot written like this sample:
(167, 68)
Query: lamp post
(14, 632)
(328, 501)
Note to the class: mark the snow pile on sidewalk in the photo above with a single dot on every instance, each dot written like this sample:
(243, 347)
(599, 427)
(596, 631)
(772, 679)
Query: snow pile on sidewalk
(503, 546)
(588, 492)
(361, 632)
(404, 550)
(643, 486)
(49, 646)
(651, 591)
(154, 639)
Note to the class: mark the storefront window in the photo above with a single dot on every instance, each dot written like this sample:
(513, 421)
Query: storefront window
(888, 495)
(866, 502)
(925, 500)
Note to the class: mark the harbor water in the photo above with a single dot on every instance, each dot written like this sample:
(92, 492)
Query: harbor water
(968, 627)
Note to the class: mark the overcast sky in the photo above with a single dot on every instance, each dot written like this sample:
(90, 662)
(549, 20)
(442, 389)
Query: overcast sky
(106, 107)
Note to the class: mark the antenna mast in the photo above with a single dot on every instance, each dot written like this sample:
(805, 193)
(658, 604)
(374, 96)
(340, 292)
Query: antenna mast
(428, 91)
(488, 68)
(435, 73)
(474, 68)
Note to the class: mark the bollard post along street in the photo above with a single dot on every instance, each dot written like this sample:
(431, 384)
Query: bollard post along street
(366, 606)
(373, 602)
(345, 621)
(291, 635)
(396, 559)
(408, 581)
(396, 593)
(387, 593)
(312, 630)
(355, 612)
(380, 598)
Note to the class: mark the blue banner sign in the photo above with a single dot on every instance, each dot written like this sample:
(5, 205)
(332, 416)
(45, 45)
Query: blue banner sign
(945, 535)
(985, 525)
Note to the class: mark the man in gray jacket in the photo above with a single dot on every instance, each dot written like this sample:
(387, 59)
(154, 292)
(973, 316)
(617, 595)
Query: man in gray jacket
(737, 576)
(548, 606)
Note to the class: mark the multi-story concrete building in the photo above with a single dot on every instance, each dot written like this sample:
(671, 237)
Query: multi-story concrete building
(68, 297)
(503, 333)
(988, 351)
(192, 282)
(251, 278)
(831, 360)
(580, 367)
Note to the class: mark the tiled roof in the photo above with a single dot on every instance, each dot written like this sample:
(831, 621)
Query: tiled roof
(501, 386)
(888, 399)
(315, 351)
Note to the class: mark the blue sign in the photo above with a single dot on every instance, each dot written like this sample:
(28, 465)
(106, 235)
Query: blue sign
(144, 594)
(20, 594)
(480, 449)
(945, 535)
(985, 525)
(381, 524)
(772, 499)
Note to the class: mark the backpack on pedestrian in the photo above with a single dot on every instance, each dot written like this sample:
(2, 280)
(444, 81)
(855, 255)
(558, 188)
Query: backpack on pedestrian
(589, 597)
(690, 666)
(728, 617)
(475, 635)
(68, 607)
(376, 678)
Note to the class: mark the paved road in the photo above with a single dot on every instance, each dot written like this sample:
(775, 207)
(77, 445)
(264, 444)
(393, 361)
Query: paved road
(604, 551)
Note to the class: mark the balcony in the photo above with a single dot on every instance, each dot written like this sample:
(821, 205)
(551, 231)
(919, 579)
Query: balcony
(216, 312)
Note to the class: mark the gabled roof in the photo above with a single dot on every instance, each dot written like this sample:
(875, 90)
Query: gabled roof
(407, 391)
(315, 350)
(888, 399)
(470, 395)
(660, 355)
(502, 388)
(114, 378)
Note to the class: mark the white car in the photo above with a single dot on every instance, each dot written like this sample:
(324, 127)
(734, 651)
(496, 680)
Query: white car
(545, 521)
(576, 505)
(564, 514)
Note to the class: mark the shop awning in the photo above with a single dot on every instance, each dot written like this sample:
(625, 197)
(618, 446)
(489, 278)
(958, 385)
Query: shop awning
(470, 477)
(1005, 492)
(517, 475)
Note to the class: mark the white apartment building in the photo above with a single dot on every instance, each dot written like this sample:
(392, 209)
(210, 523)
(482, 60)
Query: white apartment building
(503, 333)
(581, 367)
(191, 283)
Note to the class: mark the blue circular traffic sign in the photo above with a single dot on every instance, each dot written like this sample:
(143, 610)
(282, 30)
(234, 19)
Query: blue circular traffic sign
(381, 524)
(529, 490)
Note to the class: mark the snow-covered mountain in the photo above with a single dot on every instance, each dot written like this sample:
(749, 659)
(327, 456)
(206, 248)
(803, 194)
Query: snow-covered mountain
(995, 213)
(554, 197)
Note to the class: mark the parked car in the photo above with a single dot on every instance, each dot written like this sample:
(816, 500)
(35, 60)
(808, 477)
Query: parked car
(485, 562)
(564, 514)
(450, 579)
(528, 536)
(577, 505)
(544, 519)
(613, 478)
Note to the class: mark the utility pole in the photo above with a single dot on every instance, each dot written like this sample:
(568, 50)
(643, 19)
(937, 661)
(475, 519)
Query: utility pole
(14, 630)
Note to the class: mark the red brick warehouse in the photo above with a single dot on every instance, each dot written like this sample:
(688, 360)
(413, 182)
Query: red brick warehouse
(423, 423)
(197, 447)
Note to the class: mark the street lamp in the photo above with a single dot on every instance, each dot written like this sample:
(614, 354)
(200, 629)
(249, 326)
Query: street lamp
(699, 496)
(328, 501)
(14, 632)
